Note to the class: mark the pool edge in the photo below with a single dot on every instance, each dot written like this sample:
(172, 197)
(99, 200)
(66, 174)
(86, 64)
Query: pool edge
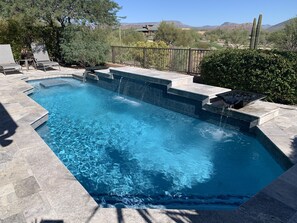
(247, 211)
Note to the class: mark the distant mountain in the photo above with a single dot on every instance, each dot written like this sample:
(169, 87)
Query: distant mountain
(279, 25)
(141, 24)
(266, 26)
(230, 25)
(225, 25)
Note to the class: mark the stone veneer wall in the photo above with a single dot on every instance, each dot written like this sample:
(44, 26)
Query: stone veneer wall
(156, 94)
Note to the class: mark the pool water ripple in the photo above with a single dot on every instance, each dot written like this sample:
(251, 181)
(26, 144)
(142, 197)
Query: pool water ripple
(129, 153)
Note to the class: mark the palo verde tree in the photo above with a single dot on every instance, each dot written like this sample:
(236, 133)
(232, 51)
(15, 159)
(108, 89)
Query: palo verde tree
(167, 32)
(285, 38)
(84, 46)
(174, 36)
(235, 38)
(54, 16)
(289, 40)
(126, 37)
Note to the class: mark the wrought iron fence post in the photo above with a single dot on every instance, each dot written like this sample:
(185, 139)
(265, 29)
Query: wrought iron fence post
(113, 54)
(190, 62)
(144, 57)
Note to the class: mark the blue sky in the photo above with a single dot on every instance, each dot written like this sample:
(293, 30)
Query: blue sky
(207, 12)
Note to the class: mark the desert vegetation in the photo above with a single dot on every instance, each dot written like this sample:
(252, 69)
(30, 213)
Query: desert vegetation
(238, 37)
(73, 32)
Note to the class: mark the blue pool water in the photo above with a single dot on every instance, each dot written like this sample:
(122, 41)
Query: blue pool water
(129, 153)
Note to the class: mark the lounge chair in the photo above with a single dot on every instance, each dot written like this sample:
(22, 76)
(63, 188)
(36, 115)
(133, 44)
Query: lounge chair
(41, 57)
(7, 62)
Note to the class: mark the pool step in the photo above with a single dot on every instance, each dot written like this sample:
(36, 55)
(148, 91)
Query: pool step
(199, 92)
(104, 73)
(53, 83)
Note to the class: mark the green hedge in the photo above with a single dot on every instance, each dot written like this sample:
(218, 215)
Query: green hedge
(272, 73)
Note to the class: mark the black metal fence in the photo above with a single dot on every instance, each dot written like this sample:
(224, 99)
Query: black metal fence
(172, 59)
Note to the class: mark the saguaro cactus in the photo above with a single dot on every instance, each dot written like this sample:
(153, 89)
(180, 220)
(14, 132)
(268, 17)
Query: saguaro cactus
(258, 31)
(253, 34)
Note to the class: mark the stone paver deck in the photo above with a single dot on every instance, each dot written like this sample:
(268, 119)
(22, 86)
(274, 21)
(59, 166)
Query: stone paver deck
(169, 79)
(253, 114)
(196, 91)
(35, 186)
(282, 131)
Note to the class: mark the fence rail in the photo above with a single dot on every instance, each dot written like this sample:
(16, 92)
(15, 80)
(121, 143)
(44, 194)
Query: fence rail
(172, 59)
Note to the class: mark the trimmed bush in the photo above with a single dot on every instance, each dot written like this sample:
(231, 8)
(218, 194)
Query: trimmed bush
(272, 73)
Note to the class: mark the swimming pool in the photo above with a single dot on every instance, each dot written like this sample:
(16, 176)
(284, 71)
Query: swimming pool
(128, 153)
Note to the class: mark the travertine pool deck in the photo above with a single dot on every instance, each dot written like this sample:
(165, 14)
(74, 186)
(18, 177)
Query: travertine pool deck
(36, 186)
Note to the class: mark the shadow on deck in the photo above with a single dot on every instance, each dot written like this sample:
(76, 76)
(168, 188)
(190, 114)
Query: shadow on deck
(7, 127)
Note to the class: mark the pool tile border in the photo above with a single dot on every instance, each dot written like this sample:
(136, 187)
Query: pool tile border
(56, 195)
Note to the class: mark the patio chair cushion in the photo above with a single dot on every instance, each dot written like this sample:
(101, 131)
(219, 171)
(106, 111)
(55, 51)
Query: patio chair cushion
(10, 66)
(47, 63)
(6, 56)
(41, 56)
(7, 62)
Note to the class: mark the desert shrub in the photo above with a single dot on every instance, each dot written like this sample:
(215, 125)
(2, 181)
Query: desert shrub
(14, 32)
(84, 46)
(20, 31)
(272, 73)
(154, 54)
(10, 34)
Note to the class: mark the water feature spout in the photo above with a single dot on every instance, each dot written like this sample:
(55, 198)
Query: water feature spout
(85, 76)
(238, 99)
(147, 84)
(119, 87)
(222, 114)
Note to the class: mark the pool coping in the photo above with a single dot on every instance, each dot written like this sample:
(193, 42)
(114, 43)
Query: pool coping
(60, 196)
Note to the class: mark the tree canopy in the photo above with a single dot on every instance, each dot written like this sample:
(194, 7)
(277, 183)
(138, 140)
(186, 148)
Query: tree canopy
(47, 21)
(175, 36)
(236, 38)
(63, 12)
(85, 46)
(167, 32)
(288, 40)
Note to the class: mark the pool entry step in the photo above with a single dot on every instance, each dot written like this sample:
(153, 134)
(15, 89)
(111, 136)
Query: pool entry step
(53, 82)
